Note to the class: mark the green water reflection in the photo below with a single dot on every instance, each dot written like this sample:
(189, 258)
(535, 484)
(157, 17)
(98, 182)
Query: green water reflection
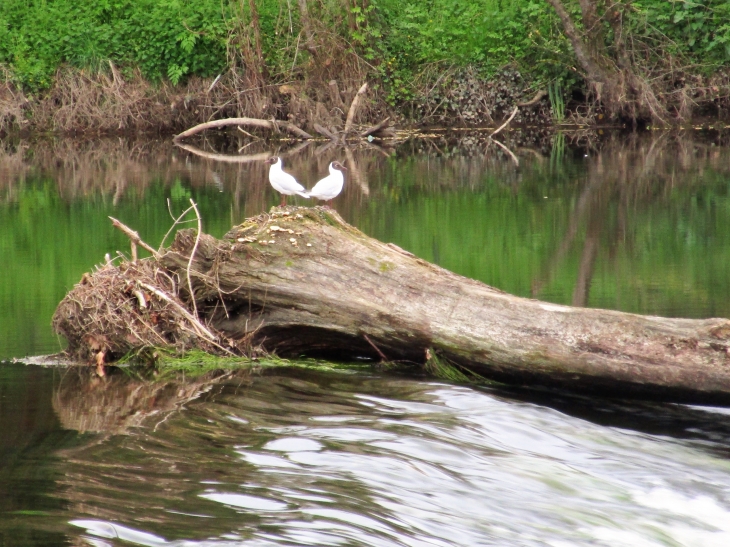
(639, 224)
(30, 433)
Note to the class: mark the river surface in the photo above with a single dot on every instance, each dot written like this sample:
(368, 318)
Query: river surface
(290, 456)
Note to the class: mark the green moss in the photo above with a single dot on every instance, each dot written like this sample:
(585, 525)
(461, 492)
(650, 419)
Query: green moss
(386, 266)
(197, 362)
(442, 368)
(329, 219)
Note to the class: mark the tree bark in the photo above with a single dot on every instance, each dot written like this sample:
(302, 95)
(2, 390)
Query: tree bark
(303, 282)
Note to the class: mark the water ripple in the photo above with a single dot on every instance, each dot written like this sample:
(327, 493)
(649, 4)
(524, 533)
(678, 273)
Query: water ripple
(327, 460)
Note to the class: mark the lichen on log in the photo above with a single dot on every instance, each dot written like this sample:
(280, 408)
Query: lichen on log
(301, 281)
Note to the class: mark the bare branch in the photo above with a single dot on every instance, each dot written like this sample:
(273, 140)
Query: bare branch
(253, 122)
(536, 99)
(192, 255)
(376, 128)
(132, 235)
(505, 124)
(326, 132)
(353, 107)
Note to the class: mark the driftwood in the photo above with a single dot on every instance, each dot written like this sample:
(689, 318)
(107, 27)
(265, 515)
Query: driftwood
(301, 281)
(326, 132)
(382, 130)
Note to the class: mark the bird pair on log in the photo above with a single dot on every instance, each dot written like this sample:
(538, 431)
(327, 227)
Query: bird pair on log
(326, 189)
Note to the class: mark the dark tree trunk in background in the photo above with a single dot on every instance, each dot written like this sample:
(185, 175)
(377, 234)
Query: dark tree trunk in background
(617, 82)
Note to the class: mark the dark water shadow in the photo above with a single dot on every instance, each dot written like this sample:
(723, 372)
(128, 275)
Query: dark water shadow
(706, 428)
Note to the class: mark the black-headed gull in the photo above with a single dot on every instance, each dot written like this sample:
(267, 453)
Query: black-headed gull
(283, 182)
(330, 187)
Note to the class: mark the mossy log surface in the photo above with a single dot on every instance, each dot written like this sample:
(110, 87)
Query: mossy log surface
(302, 281)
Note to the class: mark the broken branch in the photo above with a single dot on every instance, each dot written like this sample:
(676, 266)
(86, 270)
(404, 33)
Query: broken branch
(353, 107)
(132, 235)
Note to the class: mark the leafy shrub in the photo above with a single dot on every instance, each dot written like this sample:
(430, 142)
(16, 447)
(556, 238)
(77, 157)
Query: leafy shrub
(165, 38)
(699, 29)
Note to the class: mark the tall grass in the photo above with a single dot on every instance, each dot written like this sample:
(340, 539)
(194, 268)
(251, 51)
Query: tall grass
(557, 101)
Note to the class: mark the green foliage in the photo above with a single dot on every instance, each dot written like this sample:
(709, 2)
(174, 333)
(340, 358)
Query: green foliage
(165, 38)
(400, 39)
(488, 34)
(698, 28)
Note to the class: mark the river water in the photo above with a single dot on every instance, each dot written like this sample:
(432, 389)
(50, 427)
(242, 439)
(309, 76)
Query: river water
(290, 456)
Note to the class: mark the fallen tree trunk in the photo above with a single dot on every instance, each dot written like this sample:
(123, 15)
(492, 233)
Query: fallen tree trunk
(302, 281)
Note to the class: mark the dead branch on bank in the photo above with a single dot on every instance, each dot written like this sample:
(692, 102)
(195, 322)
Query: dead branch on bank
(251, 122)
(381, 130)
(536, 99)
(505, 124)
(331, 135)
(353, 107)
(502, 146)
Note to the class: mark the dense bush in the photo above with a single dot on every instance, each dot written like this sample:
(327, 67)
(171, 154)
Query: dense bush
(165, 38)
(399, 39)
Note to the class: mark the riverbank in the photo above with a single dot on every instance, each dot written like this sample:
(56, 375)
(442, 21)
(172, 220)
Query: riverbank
(81, 67)
(83, 102)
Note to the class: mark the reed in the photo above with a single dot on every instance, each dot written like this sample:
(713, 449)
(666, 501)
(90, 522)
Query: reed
(557, 101)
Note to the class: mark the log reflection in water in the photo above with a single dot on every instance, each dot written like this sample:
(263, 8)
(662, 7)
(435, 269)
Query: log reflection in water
(112, 405)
